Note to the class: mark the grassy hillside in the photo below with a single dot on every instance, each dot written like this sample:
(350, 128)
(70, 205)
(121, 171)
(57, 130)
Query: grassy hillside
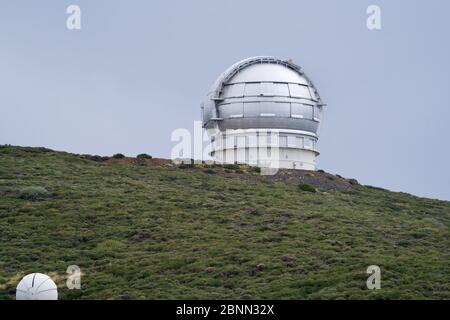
(147, 229)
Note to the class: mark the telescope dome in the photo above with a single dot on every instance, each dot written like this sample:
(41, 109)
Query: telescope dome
(255, 99)
(263, 92)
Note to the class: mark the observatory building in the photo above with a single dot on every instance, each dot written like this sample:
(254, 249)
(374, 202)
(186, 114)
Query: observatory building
(265, 112)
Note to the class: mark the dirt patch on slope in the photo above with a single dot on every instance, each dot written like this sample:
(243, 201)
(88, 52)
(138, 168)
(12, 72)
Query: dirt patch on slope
(318, 179)
(140, 161)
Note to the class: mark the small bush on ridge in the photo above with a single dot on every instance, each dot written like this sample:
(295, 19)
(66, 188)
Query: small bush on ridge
(306, 187)
(144, 156)
(118, 156)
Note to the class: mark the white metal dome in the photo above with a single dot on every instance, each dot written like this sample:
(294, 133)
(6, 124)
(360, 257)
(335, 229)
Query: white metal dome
(36, 286)
(263, 92)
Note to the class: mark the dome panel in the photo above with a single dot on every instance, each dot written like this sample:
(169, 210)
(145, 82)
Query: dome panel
(267, 72)
(267, 123)
(233, 90)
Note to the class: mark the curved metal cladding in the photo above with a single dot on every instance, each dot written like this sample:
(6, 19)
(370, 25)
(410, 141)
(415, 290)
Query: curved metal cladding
(263, 93)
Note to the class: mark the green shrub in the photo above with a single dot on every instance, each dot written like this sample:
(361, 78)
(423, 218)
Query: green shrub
(4, 191)
(353, 182)
(44, 150)
(144, 156)
(185, 165)
(33, 193)
(375, 188)
(256, 169)
(210, 171)
(306, 187)
(95, 158)
(230, 166)
(118, 156)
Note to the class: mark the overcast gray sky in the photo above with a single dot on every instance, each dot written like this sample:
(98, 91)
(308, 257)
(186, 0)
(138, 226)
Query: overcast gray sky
(137, 70)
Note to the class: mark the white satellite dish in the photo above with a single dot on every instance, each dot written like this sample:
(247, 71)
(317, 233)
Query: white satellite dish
(36, 286)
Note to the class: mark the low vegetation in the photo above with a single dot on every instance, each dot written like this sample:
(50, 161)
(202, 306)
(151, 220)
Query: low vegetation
(152, 230)
(144, 156)
(118, 156)
(33, 193)
(94, 157)
(306, 187)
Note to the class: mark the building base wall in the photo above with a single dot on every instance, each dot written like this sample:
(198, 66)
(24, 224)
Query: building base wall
(280, 149)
